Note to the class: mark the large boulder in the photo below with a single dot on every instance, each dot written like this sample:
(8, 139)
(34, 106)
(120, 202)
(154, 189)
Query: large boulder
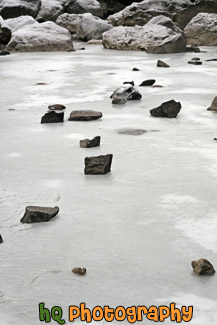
(91, 27)
(16, 23)
(83, 6)
(180, 11)
(16, 8)
(69, 21)
(50, 10)
(47, 36)
(168, 109)
(202, 30)
(153, 37)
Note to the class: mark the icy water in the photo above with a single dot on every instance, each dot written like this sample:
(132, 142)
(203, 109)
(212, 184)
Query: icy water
(137, 229)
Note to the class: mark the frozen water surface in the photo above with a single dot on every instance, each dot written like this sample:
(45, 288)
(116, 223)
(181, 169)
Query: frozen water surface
(137, 229)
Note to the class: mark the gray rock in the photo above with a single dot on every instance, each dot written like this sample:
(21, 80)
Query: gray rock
(203, 267)
(52, 117)
(162, 64)
(84, 115)
(119, 100)
(213, 107)
(100, 165)
(168, 109)
(125, 93)
(83, 6)
(34, 214)
(56, 107)
(90, 143)
(16, 23)
(16, 8)
(69, 21)
(50, 10)
(149, 82)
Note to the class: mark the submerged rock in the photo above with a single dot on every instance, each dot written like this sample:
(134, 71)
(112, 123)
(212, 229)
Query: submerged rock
(86, 115)
(131, 131)
(149, 82)
(168, 109)
(213, 107)
(79, 270)
(162, 64)
(52, 117)
(34, 214)
(125, 93)
(100, 165)
(1, 239)
(90, 143)
(203, 267)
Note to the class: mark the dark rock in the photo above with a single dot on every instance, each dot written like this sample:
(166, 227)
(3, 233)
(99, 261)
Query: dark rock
(203, 267)
(13, 8)
(215, 139)
(84, 115)
(195, 59)
(90, 143)
(210, 60)
(34, 214)
(82, 49)
(5, 35)
(100, 165)
(79, 270)
(168, 109)
(149, 82)
(194, 49)
(4, 53)
(135, 69)
(162, 64)
(52, 117)
(129, 82)
(195, 62)
(132, 131)
(124, 93)
(1, 239)
(119, 100)
(40, 84)
(157, 86)
(213, 107)
(56, 107)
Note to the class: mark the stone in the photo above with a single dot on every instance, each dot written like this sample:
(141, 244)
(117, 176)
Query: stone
(119, 100)
(195, 62)
(1, 239)
(100, 165)
(125, 93)
(135, 69)
(132, 131)
(34, 214)
(5, 33)
(83, 6)
(56, 107)
(52, 117)
(162, 64)
(47, 36)
(79, 270)
(90, 143)
(4, 53)
(85, 115)
(16, 23)
(50, 10)
(203, 267)
(69, 21)
(202, 30)
(210, 60)
(149, 82)
(16, 8)
(168, 109)
(213, 107)
(194, 49)
(129, 82)
(195, 59)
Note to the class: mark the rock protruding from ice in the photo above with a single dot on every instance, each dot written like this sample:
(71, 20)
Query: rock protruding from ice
(34, 214)
(100, 165)
(149, 82)
(83, 6)
(168, 109)
(16, 8)
(203, 267)
(50, 10)
(124, 93)
(202, 30)
(213, 107)
(90, 143)
(52, 117)
(86, 115)
(47, 36)
(79, 270)
(162, 64)
(56, 107)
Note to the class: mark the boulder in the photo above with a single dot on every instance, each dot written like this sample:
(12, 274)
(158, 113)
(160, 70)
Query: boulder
(213, 107)
(125, 93)
(16, 8)
(79, 270)
(90, 143)
(100, 165)
(5, 33)
(16, 23)
(1, 239)
(202, 30)
(69, 21)
(47, 36)
(149, 82)
(83, 6)
(203, 267)
(168, 109)
(153, 38)
(52, 117)
(84, 115)
(162, 64)
(35, 214)
(50, 10)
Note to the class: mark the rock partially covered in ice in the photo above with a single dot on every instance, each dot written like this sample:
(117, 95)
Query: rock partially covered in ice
(100, 165)
(213, 107)
(69, 21)
(35, 214)
(1, 239)
(168, 109)
(125, 93)
(149, 82)
(202, 30)
(90, 143)
(50, 10)
(203, 267)
(162, 64)
(86, 115)
(47, 36)
(79, 270)
(16, 23)
(52, 117)
(83, 6)
(56, 107)
(16, 8)
(91, 27)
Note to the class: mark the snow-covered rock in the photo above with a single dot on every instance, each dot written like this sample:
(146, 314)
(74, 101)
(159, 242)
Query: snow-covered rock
(83, 6)
(47, 36)
(69, 21)
(202, 30)
(91, 27)
(50, 10)
(16, 8)
(15, 23)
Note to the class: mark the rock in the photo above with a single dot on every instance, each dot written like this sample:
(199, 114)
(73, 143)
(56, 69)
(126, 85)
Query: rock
(135, 69)
(195, 62)
(168, 109)
(210, 60)
(213, 107)
(52, 117)
(50, 10)
(132, 131)
(203, 267)
(149, 82)
(157, 86)
(202, 30)
(1, 239)
(5, 33)
(35, 214)
(100, 165)
(90, 143)
(95, 42)
(91, 27)
(47, 36)
(79, 270)
(16, 23)
(84, 115)
(125, 93)
(129, 82)
(16, 8)
(56, 107)
(162, 64)
(4, 53)
(69, 21)
(195, 59)
(83, 6)
(215, 139)
(119, 100)
(153, 38)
